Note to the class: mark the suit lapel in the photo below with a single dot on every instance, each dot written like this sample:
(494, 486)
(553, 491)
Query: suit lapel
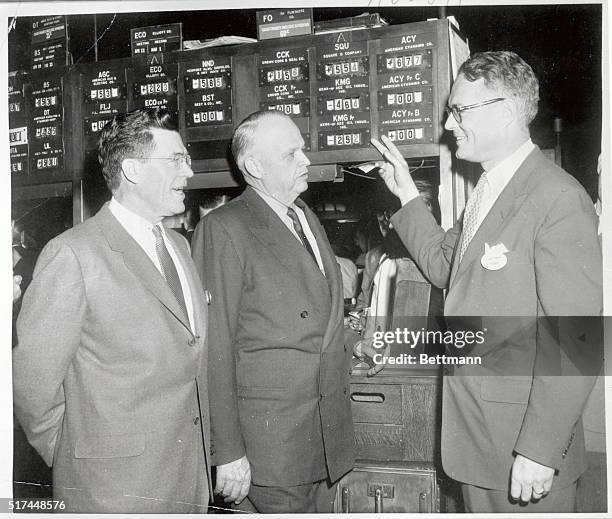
(137, 261)
(327, 255)
(490, 228)
(200, 306)
(332, 275)
(267, 227)
(277, 238)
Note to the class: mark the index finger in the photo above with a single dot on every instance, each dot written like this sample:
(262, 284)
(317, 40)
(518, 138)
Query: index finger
(385, 150)
(380, 147)
(392, 147)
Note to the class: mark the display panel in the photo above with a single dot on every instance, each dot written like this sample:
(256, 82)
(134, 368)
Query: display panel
(283, 76)
(154, 84)
(208, 92)
(416, 134)
(45, 125)
(343, 85)
(48, 48)
(299, 108)
(105, 94)
(409, 98)
(343, 139)
(340, 89)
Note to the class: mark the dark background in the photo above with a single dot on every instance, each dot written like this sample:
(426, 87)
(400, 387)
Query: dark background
(561, 42)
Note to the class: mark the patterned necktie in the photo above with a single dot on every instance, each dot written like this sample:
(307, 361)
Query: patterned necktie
(470, 217)
(169, 269)
(300, 232)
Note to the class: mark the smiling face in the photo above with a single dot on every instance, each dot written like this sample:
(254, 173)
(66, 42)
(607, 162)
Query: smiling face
(479, 135)
(279, 153)
(161, 185)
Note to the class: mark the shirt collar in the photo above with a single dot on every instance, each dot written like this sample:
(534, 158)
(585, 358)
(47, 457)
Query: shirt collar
(499, 175)
(277, 206)
(133, 223)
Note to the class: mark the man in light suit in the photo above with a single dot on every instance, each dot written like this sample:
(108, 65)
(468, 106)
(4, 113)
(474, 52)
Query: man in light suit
(526, 248)
(281, 420)
(109, 374)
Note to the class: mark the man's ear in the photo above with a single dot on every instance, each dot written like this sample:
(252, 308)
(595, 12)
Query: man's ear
(132, 170)
(510, 112)
(253, 167)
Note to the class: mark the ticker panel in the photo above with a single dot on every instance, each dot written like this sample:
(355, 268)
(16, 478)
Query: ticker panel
(104, 95)
(343, 95)
(284, 85)
(340, 89)
(154, 84)
(208, 92)
(46, 146)
(405, 82)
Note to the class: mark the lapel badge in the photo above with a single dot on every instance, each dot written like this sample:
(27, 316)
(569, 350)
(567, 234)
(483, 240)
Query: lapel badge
(494, 257)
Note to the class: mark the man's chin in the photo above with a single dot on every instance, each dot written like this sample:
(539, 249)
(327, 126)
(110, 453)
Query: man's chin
(300, 187)
(462, 154)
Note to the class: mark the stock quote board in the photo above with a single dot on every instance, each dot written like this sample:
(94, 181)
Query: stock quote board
(341, 89)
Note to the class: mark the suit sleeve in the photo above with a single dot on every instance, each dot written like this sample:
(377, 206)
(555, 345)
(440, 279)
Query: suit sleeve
(223, 274)
(429, 245)
(197, 249)
(569, 351)
(49, 333)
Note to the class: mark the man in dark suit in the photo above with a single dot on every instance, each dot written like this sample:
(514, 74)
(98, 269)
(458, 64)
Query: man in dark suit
(281, 420)
(525, 250)
(109, 374)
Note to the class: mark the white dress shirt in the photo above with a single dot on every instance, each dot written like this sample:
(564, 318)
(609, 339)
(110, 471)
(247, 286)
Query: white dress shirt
(142, 232)
(281, 210)
(499, 176)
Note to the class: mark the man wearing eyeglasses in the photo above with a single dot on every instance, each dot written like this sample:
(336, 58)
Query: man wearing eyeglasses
(110, 370)
(523, 256)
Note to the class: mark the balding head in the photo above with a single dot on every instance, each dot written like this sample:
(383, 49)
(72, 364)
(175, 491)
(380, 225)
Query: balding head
(246, 134)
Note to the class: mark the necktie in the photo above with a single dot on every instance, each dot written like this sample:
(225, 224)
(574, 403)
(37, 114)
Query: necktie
(300, 232)
(470, 217)
(169, 269)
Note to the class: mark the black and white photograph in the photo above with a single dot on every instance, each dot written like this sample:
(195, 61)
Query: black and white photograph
(301, 258)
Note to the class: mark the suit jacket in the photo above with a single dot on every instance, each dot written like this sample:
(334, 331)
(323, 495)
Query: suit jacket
(110, 383)
(277, 357)
(516, 401)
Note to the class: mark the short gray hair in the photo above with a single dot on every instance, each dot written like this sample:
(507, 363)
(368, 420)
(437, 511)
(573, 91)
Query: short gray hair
(506, 71)
(244, 135)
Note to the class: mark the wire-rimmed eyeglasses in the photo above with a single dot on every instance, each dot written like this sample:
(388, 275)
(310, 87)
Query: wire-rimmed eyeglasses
(178, 160)
(456, 110)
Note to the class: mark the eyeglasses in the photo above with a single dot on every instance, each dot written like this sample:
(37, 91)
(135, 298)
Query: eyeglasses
(178, 161)
(456, 110)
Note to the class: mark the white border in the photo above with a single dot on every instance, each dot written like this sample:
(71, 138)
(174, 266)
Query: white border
(17, 8)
